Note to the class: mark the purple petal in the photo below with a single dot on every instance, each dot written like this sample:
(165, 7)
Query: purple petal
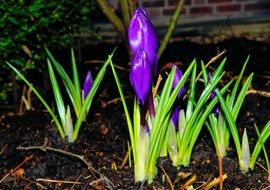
(140, 75)
(213, 94)
(177, 77)
(216, 110)
(142, 35)
(175, 116)
(87, 84)
(147, 129)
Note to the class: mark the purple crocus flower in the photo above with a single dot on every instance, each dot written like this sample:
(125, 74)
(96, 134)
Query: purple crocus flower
(87, 84)
(141, 35)
(175, 116)
(140, 75)
(175, 111)
(212, 96)
(177, 78)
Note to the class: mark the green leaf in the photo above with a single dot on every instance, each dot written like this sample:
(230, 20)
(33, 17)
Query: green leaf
(76, 80)
(191, 94)
(69, 125)
(49, 109)
(241, 96)
(237, 83)
(57, 95)
(129, 123)
(264, 149)
(231, 123)
(258, 147)
(88, 101)
(204, 74)
(194, 131)
(73, 95)
(245, 161)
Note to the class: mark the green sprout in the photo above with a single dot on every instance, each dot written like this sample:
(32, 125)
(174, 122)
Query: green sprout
(147, 146)
(263, 136)
(80, 103)
(181, 140)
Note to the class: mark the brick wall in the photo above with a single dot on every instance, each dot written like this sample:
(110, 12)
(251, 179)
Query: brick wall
(200, 14)
(206, 10)
(204, 17)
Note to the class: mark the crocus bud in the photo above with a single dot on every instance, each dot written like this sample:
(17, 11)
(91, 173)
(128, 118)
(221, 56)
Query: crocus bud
(212, 96)
(141, 35)
(87, 84)
(140, 75)
(176, 79)
(175, 116)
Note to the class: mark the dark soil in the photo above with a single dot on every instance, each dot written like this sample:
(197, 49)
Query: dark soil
(103, 138)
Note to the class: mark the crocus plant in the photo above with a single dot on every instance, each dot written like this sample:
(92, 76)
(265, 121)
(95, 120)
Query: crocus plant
(219, 127)
(184, 130)
(230, 108)
(81, 99)
(149, 126)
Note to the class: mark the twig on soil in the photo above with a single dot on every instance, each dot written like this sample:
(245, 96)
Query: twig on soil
(26, 159)
(108, 183)
(266, 188)
(3, 149)
(212, 60)
(37, 184)
(45, 148)
(58, 181)
(125, 159)
(80, 157)
(189, 182)
(262, 167)
(167, 177)
(102, 62)
(214, 182)
(157, 85)
(115, 100)
(76, 181)
(259, 92)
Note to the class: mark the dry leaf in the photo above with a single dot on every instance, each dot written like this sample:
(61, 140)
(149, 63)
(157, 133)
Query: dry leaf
(18, 173)
(103, 130)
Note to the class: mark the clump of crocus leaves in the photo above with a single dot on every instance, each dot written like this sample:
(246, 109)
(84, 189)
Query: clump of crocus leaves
(150, 122)
(80, 98)
(171, 120)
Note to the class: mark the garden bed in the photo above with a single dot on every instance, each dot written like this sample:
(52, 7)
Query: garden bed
(30, 144)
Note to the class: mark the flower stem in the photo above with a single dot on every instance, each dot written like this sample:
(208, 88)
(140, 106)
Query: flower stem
(151, 105)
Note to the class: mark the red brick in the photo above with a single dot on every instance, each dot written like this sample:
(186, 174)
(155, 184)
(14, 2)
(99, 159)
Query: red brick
(174, 2)
(199, 2)
(201, 10)
(219, 1)
(168, 12)
(153, 4)
(228, 8)
(257, 6)
(154, 13)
